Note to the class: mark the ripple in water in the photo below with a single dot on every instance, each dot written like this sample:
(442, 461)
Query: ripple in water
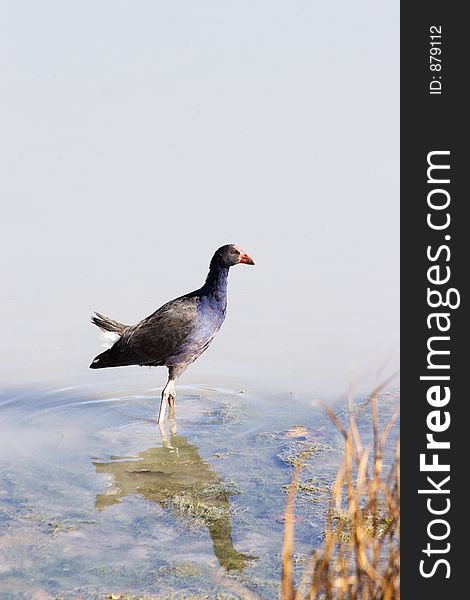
(95, 500)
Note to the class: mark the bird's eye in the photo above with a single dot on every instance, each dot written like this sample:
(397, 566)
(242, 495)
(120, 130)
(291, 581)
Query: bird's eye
(233, 251)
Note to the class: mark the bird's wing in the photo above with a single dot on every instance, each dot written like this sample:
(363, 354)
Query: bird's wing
(154, 339)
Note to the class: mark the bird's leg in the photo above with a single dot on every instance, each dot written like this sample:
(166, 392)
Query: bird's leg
(171, 401)
(170, 385)
(169, 392)
(173, 373)
(161, 413)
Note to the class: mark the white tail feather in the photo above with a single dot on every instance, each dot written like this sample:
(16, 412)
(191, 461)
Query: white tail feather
(108, 337)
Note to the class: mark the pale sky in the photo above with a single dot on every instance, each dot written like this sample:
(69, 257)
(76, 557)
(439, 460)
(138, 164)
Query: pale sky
(137, 137)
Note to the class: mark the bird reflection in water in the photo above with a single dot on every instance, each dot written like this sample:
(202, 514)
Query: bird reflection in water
(177, 478)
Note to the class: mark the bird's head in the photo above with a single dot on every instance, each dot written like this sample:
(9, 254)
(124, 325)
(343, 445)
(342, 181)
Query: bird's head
(230, 255)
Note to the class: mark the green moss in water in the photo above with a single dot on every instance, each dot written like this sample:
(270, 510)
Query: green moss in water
(373, 525)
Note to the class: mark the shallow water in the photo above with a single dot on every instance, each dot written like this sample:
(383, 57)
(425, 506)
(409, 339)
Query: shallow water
(95, 501)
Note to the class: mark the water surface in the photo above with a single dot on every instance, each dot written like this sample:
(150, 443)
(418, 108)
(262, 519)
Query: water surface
(96, 501)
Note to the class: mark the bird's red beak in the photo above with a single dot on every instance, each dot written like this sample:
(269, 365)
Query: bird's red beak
(245, 259)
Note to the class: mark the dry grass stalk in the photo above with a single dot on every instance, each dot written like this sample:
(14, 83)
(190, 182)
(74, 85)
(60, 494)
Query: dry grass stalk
(359, 558)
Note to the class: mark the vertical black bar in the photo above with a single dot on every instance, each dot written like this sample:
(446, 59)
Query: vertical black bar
(433, 119)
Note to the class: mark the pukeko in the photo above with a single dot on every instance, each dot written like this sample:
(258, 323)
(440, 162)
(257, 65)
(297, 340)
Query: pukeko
(178, 332)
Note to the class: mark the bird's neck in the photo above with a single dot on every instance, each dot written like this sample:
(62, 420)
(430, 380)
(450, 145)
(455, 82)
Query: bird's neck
(216, 282)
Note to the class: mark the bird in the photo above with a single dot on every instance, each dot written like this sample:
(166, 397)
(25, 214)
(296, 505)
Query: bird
(176, 334)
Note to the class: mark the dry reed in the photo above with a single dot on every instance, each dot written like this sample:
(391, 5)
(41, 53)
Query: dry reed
(360, 555)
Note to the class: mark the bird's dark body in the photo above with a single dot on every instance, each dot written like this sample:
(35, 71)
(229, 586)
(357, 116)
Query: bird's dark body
(174, 335)
(178, 332)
